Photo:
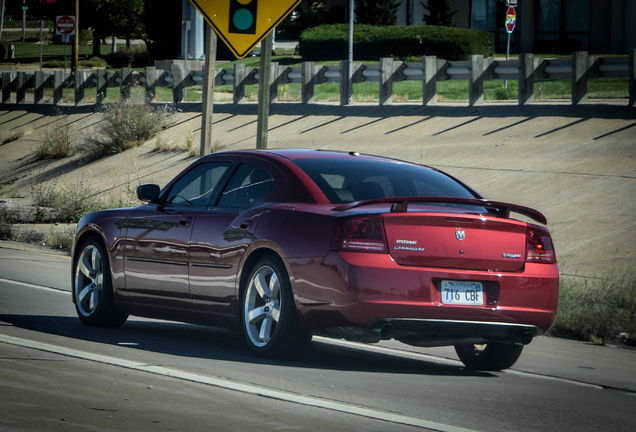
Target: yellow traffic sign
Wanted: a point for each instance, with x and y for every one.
(242, 24)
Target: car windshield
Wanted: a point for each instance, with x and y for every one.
(349, 180)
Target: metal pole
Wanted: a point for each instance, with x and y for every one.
(507, 57)
(350, 80)
(23, 21)
(186, 24)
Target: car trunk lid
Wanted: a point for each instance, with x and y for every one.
(446, 240)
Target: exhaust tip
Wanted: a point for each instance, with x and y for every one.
(386, 330)
(526, 338)
(383, 330)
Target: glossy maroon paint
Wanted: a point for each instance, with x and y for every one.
(189, 264)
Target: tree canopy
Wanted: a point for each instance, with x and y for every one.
(376, 12)
(440, 13)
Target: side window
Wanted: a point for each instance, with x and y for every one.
(248, 185)
(196, 187)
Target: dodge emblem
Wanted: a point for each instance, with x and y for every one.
(460, 235)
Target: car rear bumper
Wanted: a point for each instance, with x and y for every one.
(429, 333)
(368, 290)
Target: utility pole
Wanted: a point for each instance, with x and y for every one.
(75, 48)
(265, 74)
(1, 19)
(208, 90)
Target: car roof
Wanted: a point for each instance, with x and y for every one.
(300, 153)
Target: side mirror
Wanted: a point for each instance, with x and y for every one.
(148, 192)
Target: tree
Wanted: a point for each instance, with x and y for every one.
(440, 13)
(163, 25)
(376, 12)
(113, 17)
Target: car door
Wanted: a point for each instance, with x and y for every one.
(158, 239)
(220, 236)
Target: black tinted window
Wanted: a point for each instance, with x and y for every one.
(196, 187)
(248, 185)
(348, 180)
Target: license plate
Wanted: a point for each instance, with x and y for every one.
(462, 293)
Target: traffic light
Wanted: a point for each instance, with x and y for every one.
(243, 16)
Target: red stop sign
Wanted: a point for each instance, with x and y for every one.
(511, 19)
(65, 25)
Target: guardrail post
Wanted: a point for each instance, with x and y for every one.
(429, 80)
(151, 83)
(344, 82)
(526, 79)
(579, 77)
(308, 73)
(7, 82)
(238, 91)
(126, 82)
(101, 86)
(39, 80)
(386, 81)
(274, 79)
(632, 77)
(58, 87)
(475, 80)
(177, 81)
(79, 86)
(20, 87)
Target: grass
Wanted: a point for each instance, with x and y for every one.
(603, 88)
(597, 310)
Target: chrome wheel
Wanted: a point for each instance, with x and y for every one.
(270, 321)
(262, 306)
(92, 287)
(89, 279)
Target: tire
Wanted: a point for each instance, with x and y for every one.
(270, 321)
(493, 356)
(92, 287)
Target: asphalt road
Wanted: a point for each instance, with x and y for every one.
(56, 374)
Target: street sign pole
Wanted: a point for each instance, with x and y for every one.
(511, 21)
(208, 91)
(263, 92)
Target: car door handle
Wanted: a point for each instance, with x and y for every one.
(185, 222)
(245, 224)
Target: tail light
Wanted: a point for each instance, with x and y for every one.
(539, 247)
(361, 234)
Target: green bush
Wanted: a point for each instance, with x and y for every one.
(121, 58)
(128, 57)
(331, 42)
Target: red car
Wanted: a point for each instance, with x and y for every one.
(284, 244)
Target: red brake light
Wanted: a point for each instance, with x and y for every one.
(362, 234)
(539, 247)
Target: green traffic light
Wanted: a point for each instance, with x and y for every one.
(243, 16)
(243, 19)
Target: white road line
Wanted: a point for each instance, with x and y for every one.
(236, 386)
(372, 348)
(30, 285)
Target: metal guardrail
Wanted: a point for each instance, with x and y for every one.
(527, 69)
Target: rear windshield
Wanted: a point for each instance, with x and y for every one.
(349, 180)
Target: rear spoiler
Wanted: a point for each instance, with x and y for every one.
(401, 204)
